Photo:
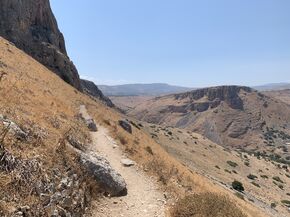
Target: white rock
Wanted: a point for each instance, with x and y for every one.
(127, 162)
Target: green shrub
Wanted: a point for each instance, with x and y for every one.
(256, 184)
(227, 171)
(232, 164)
(277, 178)
(252, 177)
(273, 205)
(206, 205)
(286, 202)
(264, 176)
(279, 185)
(238, 186)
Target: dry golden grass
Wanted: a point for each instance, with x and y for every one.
(33, 97)
(205, 205)
(211, 160)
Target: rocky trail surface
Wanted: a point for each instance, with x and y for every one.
(144, 198)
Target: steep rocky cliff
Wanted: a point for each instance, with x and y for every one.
(214, 96)
(32, 27)
(91, 89)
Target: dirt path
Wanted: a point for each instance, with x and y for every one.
(144, 198)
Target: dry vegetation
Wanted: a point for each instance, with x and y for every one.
(206, 204)
(47, 108)
(260, 177)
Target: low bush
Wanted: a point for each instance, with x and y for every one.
(273, 205)
(227, 171)
(122, 139)
(277, 178)
(232, 164)
(238, 186)
(279, 185)
(206, 205)
(149, 150)
(252, 177)
(264, 176)
(256, 184)
(286, 202)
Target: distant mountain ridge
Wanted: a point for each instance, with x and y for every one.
(273, 86)
(153, 89)
(157, 89)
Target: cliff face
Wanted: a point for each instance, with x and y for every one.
(215, 95)
(32, 27)
(91, 89)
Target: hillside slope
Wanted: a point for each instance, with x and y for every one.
(37, 163)
(222, 165)
(283, 95)
(231, 116)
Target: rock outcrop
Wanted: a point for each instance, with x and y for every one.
(11, 126)
(104, 174)
(215, 95)
(32, 27)
(126, 126)
(91, 89)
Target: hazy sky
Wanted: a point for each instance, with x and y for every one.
(184, 42)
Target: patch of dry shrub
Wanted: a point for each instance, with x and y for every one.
(206, 205)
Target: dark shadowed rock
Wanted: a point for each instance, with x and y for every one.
(91, 89)
(19, 133)
(91, 125)
(32, 27)
(126, 126)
